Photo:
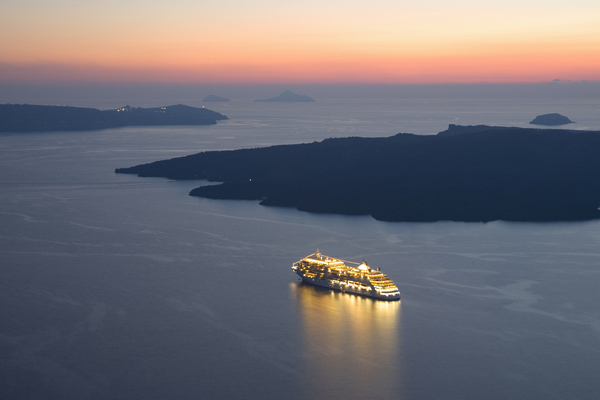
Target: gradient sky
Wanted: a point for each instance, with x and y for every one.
(310, 41)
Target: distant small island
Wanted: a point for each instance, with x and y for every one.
(216, 99)
(551, 119)
(473, 174)
(32, 118)
(289, 97)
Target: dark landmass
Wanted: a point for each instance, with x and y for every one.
(31, 118)
(289, 97)
(551, 119)
(478, 173)
(459, 129)
(215, 98)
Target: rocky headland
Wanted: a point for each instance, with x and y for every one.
(480, 173)
(32, 118)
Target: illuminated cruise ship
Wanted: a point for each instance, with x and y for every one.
(318, 269)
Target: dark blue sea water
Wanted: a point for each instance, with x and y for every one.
(118, 287)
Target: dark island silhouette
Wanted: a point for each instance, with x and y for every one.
(480, 173)
(551, 119)
(216, 99)
(289, 97)
(32, 118)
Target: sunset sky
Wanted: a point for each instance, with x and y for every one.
(272, 41)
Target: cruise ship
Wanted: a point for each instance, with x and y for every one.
(318, 269)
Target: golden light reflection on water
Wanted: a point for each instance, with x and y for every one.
(351, 343)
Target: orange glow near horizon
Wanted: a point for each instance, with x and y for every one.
(383, 41)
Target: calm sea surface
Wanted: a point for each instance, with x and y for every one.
(118, 287)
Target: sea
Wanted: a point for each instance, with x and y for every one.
(119, 287)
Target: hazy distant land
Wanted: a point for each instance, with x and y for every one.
(472, 173)
(31, 118)
(551, 119)
(213, 98)
(289, 97)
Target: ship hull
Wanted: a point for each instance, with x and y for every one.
(345, 288)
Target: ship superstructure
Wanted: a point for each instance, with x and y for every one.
(346, 276)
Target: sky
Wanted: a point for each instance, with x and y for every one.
(310, 41)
